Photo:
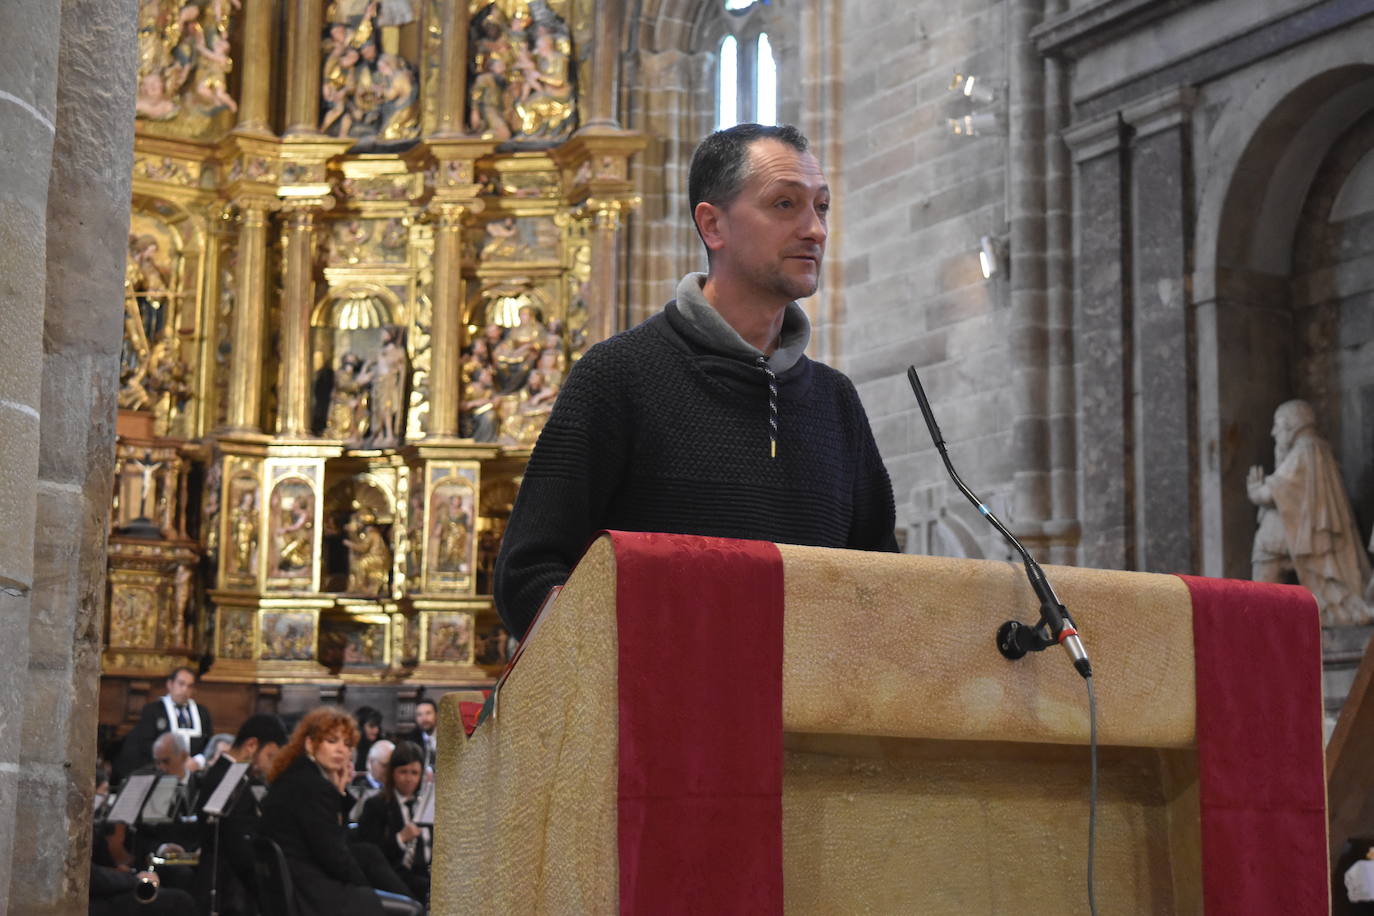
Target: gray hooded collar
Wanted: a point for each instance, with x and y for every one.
(796, 327)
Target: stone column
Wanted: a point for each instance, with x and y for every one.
(601, 101)
(245, 362)
(298, 287)
(1102, 347)
(1165, 364)
(305, 21)
(603, 293)
(255, 95)
(74, 119)
(27, 124)
(452, 87)
(1029, 333)
(445, 390)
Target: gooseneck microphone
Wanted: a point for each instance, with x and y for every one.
(1015, 639)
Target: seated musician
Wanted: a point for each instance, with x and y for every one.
(304, 813)
(226, 860)
(388, 820)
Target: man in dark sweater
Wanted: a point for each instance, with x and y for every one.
(708, 418)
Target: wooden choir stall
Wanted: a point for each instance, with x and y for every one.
(713, 726)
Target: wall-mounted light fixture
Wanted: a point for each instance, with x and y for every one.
(978, 124)
(980, 105)
(992, 256)
(972, 88)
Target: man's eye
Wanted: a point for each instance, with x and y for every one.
(823, 208)
(784, 203)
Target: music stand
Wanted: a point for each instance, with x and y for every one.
(222, 800)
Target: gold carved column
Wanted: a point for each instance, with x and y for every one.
(596, 170)
(298, 286)
(603, 292)
(256, 92)
(305, 23)
(451, 88)
(455, 197)
(245, 361)
(600, 115)
(303, 199)
(448, 339)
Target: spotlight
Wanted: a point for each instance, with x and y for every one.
(976, 124)
(990, 255)
(969, 86)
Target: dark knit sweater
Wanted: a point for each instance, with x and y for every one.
(655, 431)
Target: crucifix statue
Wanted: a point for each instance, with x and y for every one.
(146, 502)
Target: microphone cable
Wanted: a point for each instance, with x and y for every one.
(1092, 791)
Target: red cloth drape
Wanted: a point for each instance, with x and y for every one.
(1262, 778)
(700, 690)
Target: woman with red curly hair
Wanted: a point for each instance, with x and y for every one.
(305, 813)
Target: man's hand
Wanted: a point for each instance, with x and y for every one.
(1255, 488)
(408, 833)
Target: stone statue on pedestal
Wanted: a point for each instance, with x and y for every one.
(1305, 522)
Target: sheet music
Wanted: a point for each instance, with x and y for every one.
(219, 799)
(130, 799)
(424, 814)
(161, 803)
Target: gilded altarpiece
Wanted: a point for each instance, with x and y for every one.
(358, 274)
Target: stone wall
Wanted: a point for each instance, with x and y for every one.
(916, 200)
(66, 120)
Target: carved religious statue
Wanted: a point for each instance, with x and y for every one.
(1305, 523)
(521, 86)
(348, 402)
(367, 89)
(294, 536)
(386, 375)
(244, 527)
(183, 58)
(451, 536)
(369, 557)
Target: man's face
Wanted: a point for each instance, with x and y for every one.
(377, 763)
(771, 238)
(179, 687)
(169, 759)
(263, 758)
(424, 717)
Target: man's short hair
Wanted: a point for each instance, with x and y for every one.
(176, 739)
(267, 729)
(720, 166)
(379, 747)
(180, 668)
(426, 701)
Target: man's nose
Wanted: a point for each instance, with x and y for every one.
(813, 227)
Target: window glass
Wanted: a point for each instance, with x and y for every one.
(766, 83)
(727, 106)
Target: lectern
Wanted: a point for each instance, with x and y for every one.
(709, 726)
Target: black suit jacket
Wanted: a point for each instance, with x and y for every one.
(306, 816)
(137, 749)
(416, 737)
(381, 820)
(236, 883)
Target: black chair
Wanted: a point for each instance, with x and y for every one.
(276, 895)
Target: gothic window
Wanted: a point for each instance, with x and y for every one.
(747, 73)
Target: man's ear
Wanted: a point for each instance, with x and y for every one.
(710, 223)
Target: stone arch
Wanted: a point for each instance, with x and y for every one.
(1262, 156)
